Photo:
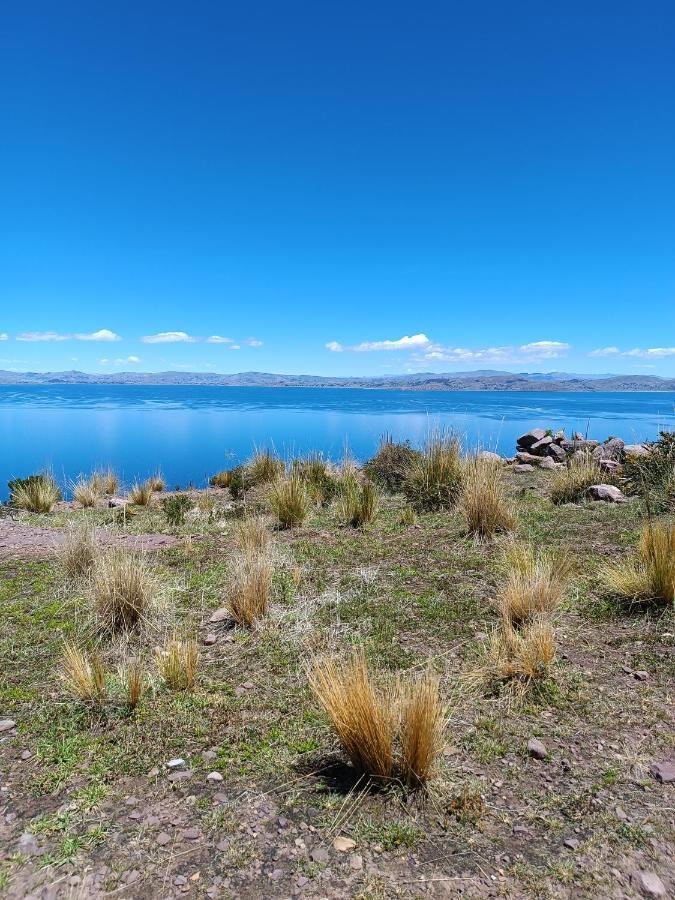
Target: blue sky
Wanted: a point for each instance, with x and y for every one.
(338, 189)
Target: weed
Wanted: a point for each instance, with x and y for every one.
(487, 508)
(289, 501)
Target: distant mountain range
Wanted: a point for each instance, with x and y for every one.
(481, 380)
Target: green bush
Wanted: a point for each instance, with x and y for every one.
(653, 476)
(322, 485)
(240, 482)
(176, 507)
(391, 465)
(435, 478)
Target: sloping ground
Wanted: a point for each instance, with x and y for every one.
(89, 806)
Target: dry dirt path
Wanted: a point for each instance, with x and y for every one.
(18, 539)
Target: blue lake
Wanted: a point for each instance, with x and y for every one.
(190, 432)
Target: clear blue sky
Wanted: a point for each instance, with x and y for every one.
(494, 181)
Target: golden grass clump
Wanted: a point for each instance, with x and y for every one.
(408, 516)
(250, 587)
(156, 482)
(534, 583)
(86, 492)
(78, 552)
(290, 501)
(486, 504)
(141, 493)
(649, 574)
(37, 494)
(422, 726)
(264, 467)
(360, 713)
(83, 674)
(253, 536)
(358, 502)
(123, 590)
(132, 677)
(178, 662)
(571, 483)
(105, 481)
(221, 479)
(435, 477)
(523, 655)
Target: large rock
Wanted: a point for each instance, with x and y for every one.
(548, 463)
(664, 771)
(648, 883)
(607, 492)
(528, 458)
(636, 450)
(531, 437)
(492, 457)
(611, 449)
(556, 452)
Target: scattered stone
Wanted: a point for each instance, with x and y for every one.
(664, 771)
(223, 846)
(636, 450)
(275, 875)
(606, 492)
(163, 839)
(209, 755)
(356, 862)
(523, 457)
(531, 437)
(320, 855)
(209, 639)
(26, 755)
(180, 776)
(175, 763)
(571, 843)
(343, 844)
(214, 776)
(641, 675)
(7, 725)
(523, 467)
(536, 749)
(648, 883)
(547, 463)
(220, 615)
(191, 834)
(117, 503)
(488, 454)
(27, 844)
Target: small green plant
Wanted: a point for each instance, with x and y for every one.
(240, 482)
(265, 467)
(391, 465)
(289, 501)
(176, 507)
(320, 479)
(358, 502)
(435, 477)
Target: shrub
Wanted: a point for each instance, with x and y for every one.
(240, 482)
(123, 590)
(653, 476)
(178, 662)
(83, 674)
(650, 573)
(86, 492)
(221, 479)
(321, 483)
(358, 502)
(249, 593)
(253, 536)
(486, 505)
(360, 713)
(571, 483)
(156, 482)
(37, 493)
(105, 481)
(175, 508)
(521, 656)
(534, 583)
(289, 501)
(141, 494)
(391, 465)
(78, 552)
(265, 467)
(435, 477)
(422, 724)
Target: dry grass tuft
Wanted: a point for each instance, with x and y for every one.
(290, 501)
(83, 675)
(264, 467)
(408, 516)
(650, 573)
(36, 494)
(123, 590)
(250, 588)
(178, 662)
(141, 494)
(358, 502)
(132, 677)
(221, 479)
(422, 725)
(78, 552)
(105, 481)
(534, 583)
(360, 713)
(253, 536)
(486, 505)
(571, 483)
(86, 492)
(435, 477)
(520, 656)
(156, 482)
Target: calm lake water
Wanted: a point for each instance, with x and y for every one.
(190, 432)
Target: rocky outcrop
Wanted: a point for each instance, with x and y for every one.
(537, 444)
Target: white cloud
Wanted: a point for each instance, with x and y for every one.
(3, 336)
(604, 351)
(525, 353)
(253, 342)
(545, 349)
(217, 339)
(104, 334)
(234, 347)
(120, 361)
(334, 347)
(652, 352)
(413, 342)
(168, 337)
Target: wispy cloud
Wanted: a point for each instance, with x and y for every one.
(649, 353)
(217, 339)
(168, 337)
(3, 336)
(523, 353)
(120, 361)
(412, 342)
(605, 351)
(104, 334)
(234, 347)
(253, 342)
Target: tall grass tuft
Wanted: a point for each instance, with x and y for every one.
(358, 502)
(486, 505)
(178, 662)
(534, 583)
(571, 483)
(123, 590)
(523, 655)
(359, 712)
(83, 674)
(250, 587)
(264, 467)
(37, 493)
(86, 492)
(141, 493)
(422, 725)
(435, 477)
(290, 501)
(221, 479)
(650, 573)
(78, 552)
(319, 477)
(105, 481)
(391, 465)
(156, 482)
(132, 677)
(253, 536)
